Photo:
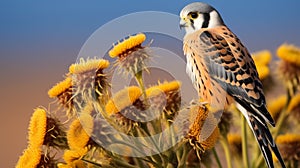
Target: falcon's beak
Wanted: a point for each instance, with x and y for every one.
(182, 24)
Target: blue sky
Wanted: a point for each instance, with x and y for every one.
(27, 25)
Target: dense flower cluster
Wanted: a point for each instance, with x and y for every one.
(99, 120)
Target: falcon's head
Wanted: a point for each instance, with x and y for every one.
(198, 15)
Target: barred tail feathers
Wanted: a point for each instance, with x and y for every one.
(263, 137)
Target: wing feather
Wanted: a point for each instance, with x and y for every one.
(230, 64)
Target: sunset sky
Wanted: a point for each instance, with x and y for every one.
(40, 39)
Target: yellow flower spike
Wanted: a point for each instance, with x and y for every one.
(289, 53)
(263, 71)
(122, 99)
(235, 143)
(37, 128)
(196, 127)
(295, 103)
(275, 106)
(30, 158)
(210, 142)
(77, 135)
(234, 138)
(88, 65)
(60, 87)
(201, 114)
(262, 57)
(165, 87)
(73, 155)
(127, 44)
(288, 138)
(72, 68)
(261, 60)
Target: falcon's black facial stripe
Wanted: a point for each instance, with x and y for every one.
(206, 18)
(192, 24)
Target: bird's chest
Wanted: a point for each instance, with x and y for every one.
(208, 89)
(197, 71)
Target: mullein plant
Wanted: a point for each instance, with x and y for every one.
(98, 120)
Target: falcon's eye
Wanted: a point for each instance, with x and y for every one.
(194, 15)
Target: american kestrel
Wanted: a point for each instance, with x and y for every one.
(223, 71)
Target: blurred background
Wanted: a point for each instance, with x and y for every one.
(40, 39)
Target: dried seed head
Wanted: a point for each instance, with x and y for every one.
(45, 130)
(165, 97)
(290, 75)
(225, 122)
(196, 127)
(289, 66)
(90, 80)
(132, 57)
(60, 88)
(125, 108)
(123, 99)
(289, 144)
(64, 91)
(55, 135)
(47, 161)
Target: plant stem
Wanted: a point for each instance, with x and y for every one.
(280, 122)
(283, 115)
(91, 162)
(225, 145)
(295, 163)
(139, 79)
(184, 156)
(244, 144)
(260, 161)
(216, 157)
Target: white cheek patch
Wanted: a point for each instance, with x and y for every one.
(197, 25)
(199, 22)
(214, 19)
